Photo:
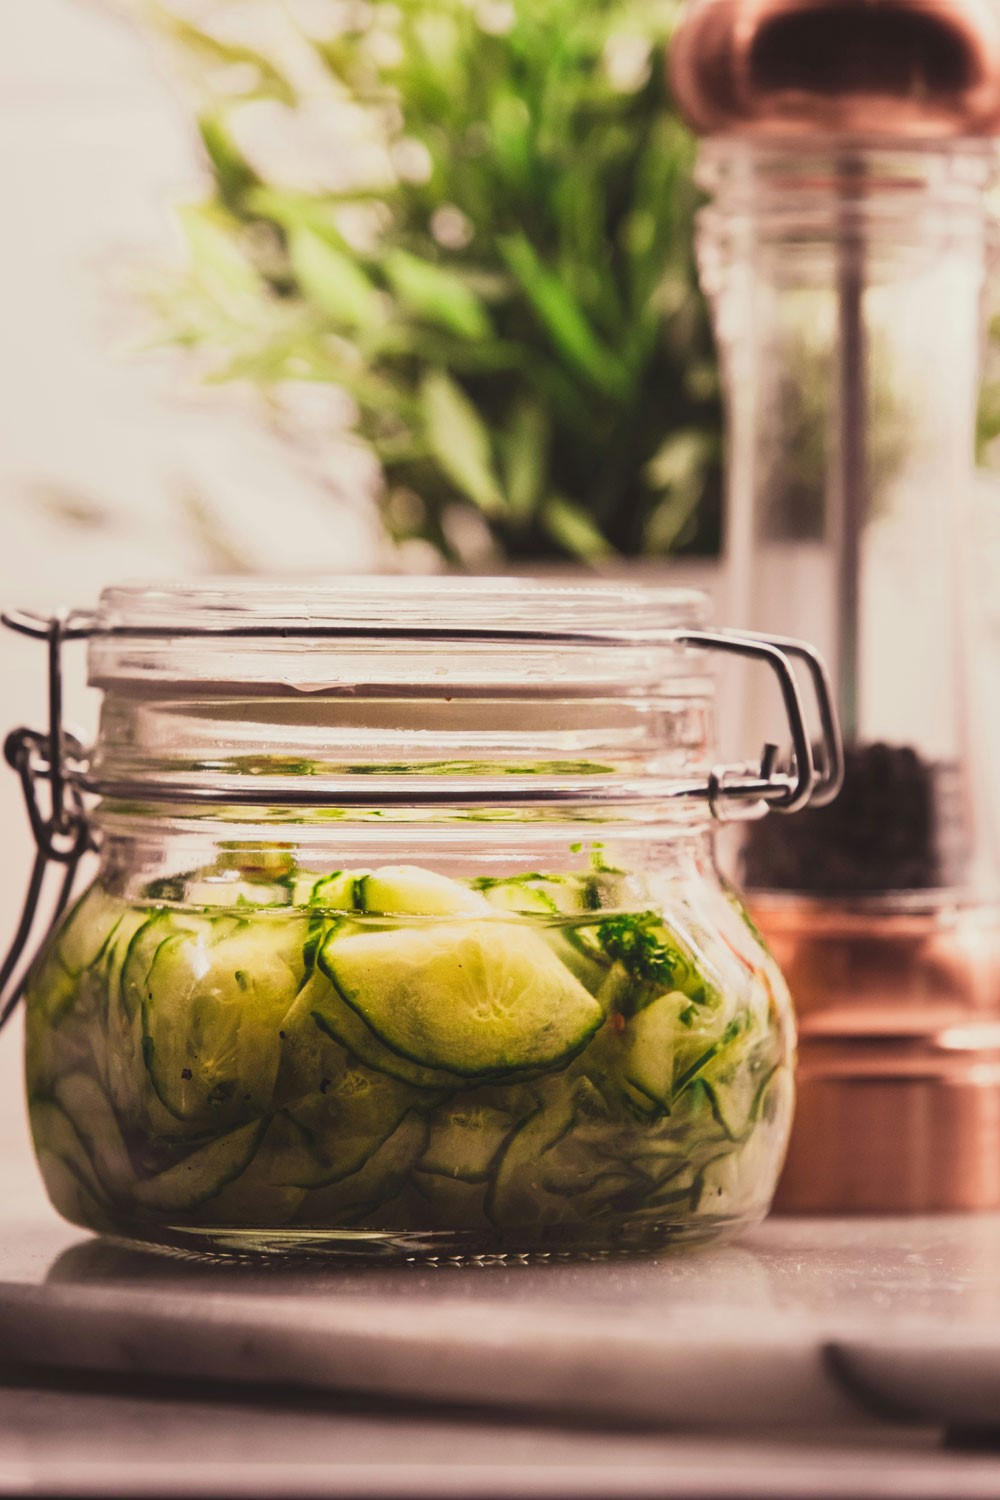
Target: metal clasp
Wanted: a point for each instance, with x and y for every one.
(776, 783)
(58, 819)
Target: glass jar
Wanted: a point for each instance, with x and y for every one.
(407, 935)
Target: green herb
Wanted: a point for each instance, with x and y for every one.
(508, 295)
(641, 945)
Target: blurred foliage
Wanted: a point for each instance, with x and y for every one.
(475, 217)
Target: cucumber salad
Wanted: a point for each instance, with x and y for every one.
(510, 1063)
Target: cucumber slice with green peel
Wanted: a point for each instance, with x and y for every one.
(82, 946)
(576, 947)
(518, 896)
(85, 1103)
(516, 1199)
(737, 1180)
(115, 955)
(123, 1073)
(227, 893)
(50, 993)
(310, 1056)
(201, 1175)
(437, 1202)
(337, 892)
(338, 1129)
(408, 890)
(358, 1196)
(464, 1139)
(608, 983)
(159, 927)
(736, 1086)
(475, 999)
(325, 1007)
(212, 1011)
(70, 1194)
(89, 928)
(264, 1195)
(55, 1133)
(650, 1047)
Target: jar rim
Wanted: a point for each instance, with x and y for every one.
(403, 606)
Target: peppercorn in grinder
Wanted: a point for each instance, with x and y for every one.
(848, 150)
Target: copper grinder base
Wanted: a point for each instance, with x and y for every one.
(899, 1056)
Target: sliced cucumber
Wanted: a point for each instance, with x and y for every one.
(86, 1105)
(650, 1046)
(549, 900)
(226, 891)
(408, 890)
(738, 1179)
(80, 946)
(310, 1057)
(56, 1135)
(265, 1194)
(464, 1139)
(159, 927)
(212, 1014)
(522, 896)
(51, 990)
(321, 1003)
(129, 1087)
(736, 1084)
(342, 1126)
(516, 1199)
(358, 1196)
(475, 999)
(337, 892)
(436, 1202)
(201, 1175)
(70, 1193)
(115, 955)
(88, 929)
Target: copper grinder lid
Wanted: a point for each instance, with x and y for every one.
(904, 70)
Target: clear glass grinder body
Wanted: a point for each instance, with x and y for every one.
(407, 935)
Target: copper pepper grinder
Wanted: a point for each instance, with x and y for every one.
(848, 151)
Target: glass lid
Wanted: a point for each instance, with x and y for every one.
(387, 634)
(403, 605)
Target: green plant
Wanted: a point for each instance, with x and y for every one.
(502, 278)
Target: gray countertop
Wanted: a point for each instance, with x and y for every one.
(828, 1357)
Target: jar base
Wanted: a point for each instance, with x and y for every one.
(457, 1247)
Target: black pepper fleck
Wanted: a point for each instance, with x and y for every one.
(185, 1073)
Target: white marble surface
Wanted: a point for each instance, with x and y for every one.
(816, 1357)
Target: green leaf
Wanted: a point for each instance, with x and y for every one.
(460, 442)
(269, 80)
(562, 317)
(333, 281)
(216, 257)
(437, 295)
(233, 172)
(681, 458)
(526, 451)
(574, 530)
